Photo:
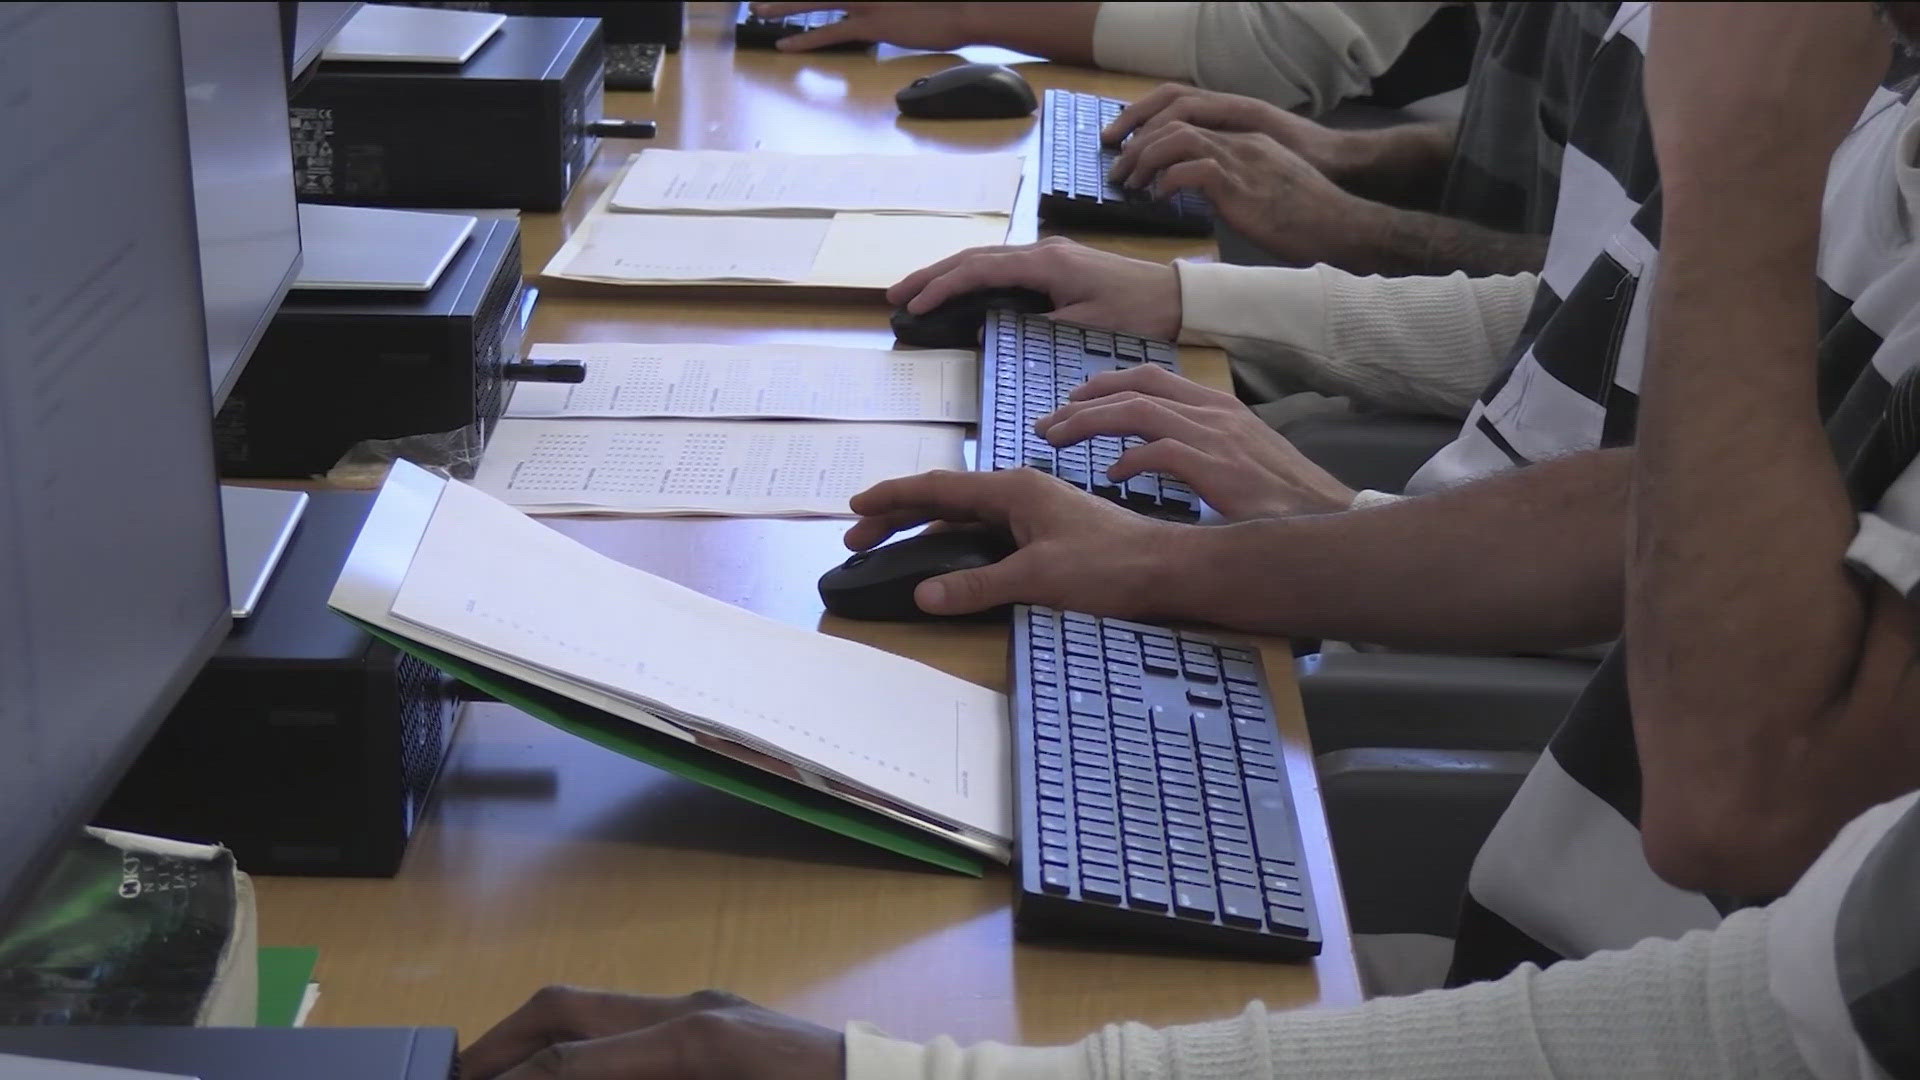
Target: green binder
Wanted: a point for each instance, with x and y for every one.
(684, 759)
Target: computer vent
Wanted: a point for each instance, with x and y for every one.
(425, 700)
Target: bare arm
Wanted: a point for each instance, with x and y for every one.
(1773, 693)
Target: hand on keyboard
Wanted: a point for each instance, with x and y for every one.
(1219, 447)
(1092, 288)
(1076, 551)
(914, 26)
(1266, 192)
(1328, 150)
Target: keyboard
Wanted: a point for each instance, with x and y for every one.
(753, 32)
(633, 65)
(1028, 366)
(1154, 805)
(1074, 189)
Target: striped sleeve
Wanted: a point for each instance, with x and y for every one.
(1886, 545)
(1844, 951)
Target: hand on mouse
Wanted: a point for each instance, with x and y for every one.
(1268, 193)
(913, 26)
(1087, 286)
(1228, 455)
(1075, 551)
(1327, 149)
(566, 1033)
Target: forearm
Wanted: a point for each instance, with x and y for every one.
(1746, 627)
(1061, 31)
(1525, 561)
(1697, 1007)
(1404, 165)
(1383, 239)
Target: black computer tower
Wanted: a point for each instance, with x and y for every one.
(335, 369)
(305, 745)
(508, 128)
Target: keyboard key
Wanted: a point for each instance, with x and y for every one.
(1272, 820)
(1241, 905)
(1287, 919)
(1194, 901)
(1103, 889)
(1056, 879)
(1146, 893)
(1238, 877)
(1210, 726)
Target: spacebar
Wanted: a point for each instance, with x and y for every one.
(1272, 814)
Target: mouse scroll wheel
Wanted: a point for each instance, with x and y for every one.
(858, 559)
(920, 81)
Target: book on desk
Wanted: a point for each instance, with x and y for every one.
(803, 723)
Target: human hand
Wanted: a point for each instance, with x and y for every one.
(1228, 455)
(567, 1034)
(1075, 551)
(1746, 95)
(1266, 192)
(913, 26)
(1087, 286)
(1325, 148)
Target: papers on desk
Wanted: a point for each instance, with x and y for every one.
(764, 468)
(411, 35)
(865, 251)
(823, 246)
(731, 181)
(676, 678)
(812, 382)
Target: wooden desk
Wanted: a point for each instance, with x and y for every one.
(546, 859)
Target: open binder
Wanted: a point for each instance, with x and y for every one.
(911, 760)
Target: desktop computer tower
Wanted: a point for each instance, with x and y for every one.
(508, 128)
(336, 368)
(305, 745)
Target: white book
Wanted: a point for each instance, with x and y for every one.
(410, 35)
(773, 381)
(760, 181)
(443, 564)
(754, 468)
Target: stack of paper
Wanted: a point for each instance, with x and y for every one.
(491, 595)
(849, 221)
(767, 468)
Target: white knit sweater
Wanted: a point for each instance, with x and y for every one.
(1698, 1008)
(1401, 344)
(1295, 55)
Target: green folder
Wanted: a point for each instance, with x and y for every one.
(694, 763)
(285, 972)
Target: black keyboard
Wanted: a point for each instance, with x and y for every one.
(1074, 189)
(753, 32)
(1154, 805)
(633, 65)
(1028, 366)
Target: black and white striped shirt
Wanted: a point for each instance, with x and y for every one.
(1563, 873)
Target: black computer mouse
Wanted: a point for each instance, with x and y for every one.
(879, 583)
(967, 92)
(956, 323)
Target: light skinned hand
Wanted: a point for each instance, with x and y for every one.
(1090, 287)
(1325, 148)
(1076, 551)
(1226, 453)
(1266, 192)
(912, 26)
(566, 1034)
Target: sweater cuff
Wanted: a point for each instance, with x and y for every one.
(1283, 306)
(872, 1055)
(1146, 39)
(1370, 497)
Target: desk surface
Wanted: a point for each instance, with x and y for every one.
(546, 859)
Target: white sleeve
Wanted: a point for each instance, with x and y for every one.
(1696, 1008)
(1295, 55)
(1400, 344)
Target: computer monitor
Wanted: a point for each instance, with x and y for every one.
(234, 58)
(112, 581)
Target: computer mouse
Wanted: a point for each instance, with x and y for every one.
(967, 92)
(879, 583)
(956, 323)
